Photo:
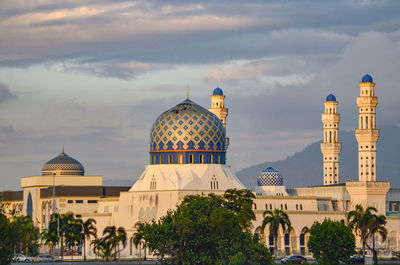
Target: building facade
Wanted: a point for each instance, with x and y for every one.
(188, 146)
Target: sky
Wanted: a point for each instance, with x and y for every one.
(92, 76)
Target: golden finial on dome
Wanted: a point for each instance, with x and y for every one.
(187, 92)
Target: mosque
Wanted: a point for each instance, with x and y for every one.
(188, 146)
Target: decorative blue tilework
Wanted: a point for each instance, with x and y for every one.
(187, 128)
(63, 165)
(188, 125)
(270, 177)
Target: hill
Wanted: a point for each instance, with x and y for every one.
(305, 168)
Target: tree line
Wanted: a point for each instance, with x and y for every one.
(65, 230)
(19, 235)
(216, 230)
(202, 229)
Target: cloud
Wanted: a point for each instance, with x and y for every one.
(261, 75)
(275, 62)
(174, 32)
(122, 70)
(5, 93)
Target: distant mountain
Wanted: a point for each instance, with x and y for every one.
(305, 168)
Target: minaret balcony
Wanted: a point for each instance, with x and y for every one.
(367, 135)
(330, 118)
(378, 185)
(331, 147)
(367, 101)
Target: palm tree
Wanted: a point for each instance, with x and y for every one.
(49, 237)
(102, 248)
(62, 221)
(120, 238)
(115, 237)
(275, 219)
(376, 225)
(139, 236)
(358, 220)
(73, 234)
(88, 229)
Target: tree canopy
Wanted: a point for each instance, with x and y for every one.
(17, 234)
(206, 230)
(367, 224)
(275, 219)
(331, 242)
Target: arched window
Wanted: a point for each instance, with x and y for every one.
(219, 159)
(271, 244)
(191, 159)
(214, 183)
(366, 122)
(169, 159)
(180, 159)
(211, 159)
(303, 240)
(29, 205)
(330, 137)
(361, 121)
(287, 242)
(161, 159)
(153, 183)
(201, 159)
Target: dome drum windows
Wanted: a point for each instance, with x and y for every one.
(187, 158)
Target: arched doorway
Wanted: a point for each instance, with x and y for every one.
(304, 241)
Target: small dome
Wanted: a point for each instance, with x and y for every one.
(63, 165)
(270, 177)
(218, 91)
(367, 79)
(331, 97)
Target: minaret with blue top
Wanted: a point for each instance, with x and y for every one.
(367, 191)
(367, 134)
(331, 147)
(218, 107)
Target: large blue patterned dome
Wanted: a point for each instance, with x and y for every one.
(270, 177)
(187, 133)
(367, 79)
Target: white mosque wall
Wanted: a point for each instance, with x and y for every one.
(187, 177)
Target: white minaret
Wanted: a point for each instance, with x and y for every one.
(218, 108)
(367, 191)
(331, 146)
(367, 135)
